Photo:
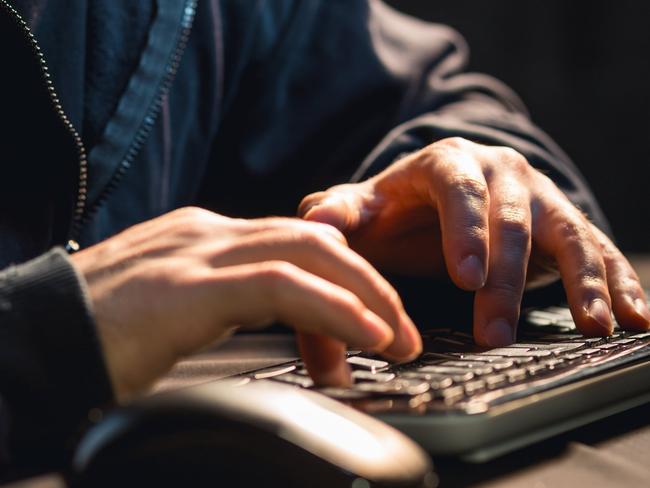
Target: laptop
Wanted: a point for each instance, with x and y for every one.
(460, 400)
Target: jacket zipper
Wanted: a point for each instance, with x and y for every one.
(187, 20)
(80, 203)
(81, 214)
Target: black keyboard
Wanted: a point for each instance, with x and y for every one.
(461, 399)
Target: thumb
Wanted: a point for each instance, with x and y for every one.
(346, 207)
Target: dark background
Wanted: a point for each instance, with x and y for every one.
(583, 69)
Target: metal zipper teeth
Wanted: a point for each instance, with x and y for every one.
(143, 132)
(71, 245)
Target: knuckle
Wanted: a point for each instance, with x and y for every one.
(630, 282)
(272, 222)
(321, 230)
(591, 276)
(507, 288)
(192, 213)
(275, 274)
(196, 221)
(310, 238)
(349, 300)
(514, 228)
(468, 187)
(453, 142)
(593, 287)
(389, 295)
(569, 228)
(514, 158)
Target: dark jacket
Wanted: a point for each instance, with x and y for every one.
(243, 106)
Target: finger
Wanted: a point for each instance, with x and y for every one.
(461, 195)
(337, 264)
(259, 294)
(565, 234)
(324, 358)
(496, 305)
(345, 207)
(297, 225)
(628, 298)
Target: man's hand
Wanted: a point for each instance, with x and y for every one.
(172, 285)
(497, 224)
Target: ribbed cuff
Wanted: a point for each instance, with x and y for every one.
(59, 371)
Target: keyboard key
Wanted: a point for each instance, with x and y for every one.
(366, 363)
(271, 372)
(400, 387)
(570, 347)
(554, 347)
(559, 337)
(515, 375)
(624, 342)
(616, 335)
(361, 375)
(566, 322)
(609, 347)
(592, 341)
(572, 357)
(542, 317)
(473, 387)
(513, 352)
(495, 380)
(563, 312)
(496, 362)
(446, 370)
(476, 367)
(590, 352)
(441, 379)
(452, 395)
(644, 335)
(536, 369)
(555, 364)
(442, 382)
(523, 361)
(295, 379)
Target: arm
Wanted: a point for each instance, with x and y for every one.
(332, 78)
(319, 87)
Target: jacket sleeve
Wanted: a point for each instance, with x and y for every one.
(338, 89)
(51, 366)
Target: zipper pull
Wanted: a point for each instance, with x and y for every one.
(72, 246)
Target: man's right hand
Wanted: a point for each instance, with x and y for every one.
(170, 286)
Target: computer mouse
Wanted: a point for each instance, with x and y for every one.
(263, 433)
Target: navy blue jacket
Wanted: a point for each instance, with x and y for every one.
(242, 106)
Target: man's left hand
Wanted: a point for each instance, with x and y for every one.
(496, 225)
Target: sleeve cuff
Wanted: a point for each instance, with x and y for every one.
(54, 370)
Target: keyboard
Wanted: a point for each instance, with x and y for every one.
(462, 400)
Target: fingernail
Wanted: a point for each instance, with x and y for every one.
(641, 308)
(600, 312)
(499, 333)
(470, 271)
